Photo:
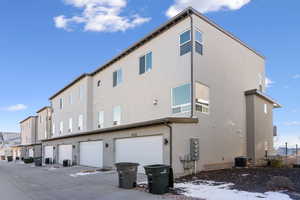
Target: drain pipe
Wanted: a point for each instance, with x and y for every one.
(192, 63)
(171, 142)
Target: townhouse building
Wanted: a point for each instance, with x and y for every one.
(44, 123)
(189, 94)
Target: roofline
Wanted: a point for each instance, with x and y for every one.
(69, 85)
(185, 13)
(44, 108)
(129, 126)
(264, 96)
(27, 119)
(174, 20)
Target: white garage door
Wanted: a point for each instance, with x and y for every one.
(49, 152)
(143, 150)
(91, 154)
(31, 153)
(64, 153)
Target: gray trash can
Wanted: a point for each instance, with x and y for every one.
(127, 174)
(38, 161)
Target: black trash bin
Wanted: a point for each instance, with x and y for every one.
(66, 163)
(9, 158)
(158, 178)
(38, 161)
(127, 174)
(241, 161)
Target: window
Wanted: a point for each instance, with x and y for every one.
(61, 103)
(70, 125)
(266, 108)
(146, 63)
(53, 127)
(41, 119)
(81, 92)
(80, 122)
(181, 99)
(100, 119)
(99, 83)
(260, 82)
(202, 98)
(198, 42)
(45, 133)
(185, 42)
(117, 77)
(61, 127)
(71, 99)
(117, 115)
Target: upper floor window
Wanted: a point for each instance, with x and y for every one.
(198, 42)
(80, 122)
(185, 42)
(146, 63)
(70, 125)
(70, 99)
(202, 98)
(181, 99)
(61, 103)
(61, 127)
(117, 77)
(99, 83)
(81, 92)
(260, 82)
(100, 119)
(117, 115)
(266, 108)
(53, 127)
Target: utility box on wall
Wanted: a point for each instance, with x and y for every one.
(194, 149)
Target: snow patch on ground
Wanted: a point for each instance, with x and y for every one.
(210, 190)
(83, 174)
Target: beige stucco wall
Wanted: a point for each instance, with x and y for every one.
(28, 131)
(78, 107)
(260, 127)
(44, 124)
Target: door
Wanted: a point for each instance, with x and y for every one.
(91, 154)
(49, 152)
(30, 153)
(142, 150)
(64, 153)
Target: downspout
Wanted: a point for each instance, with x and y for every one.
(192, 63)
(171, 142)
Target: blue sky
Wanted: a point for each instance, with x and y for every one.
(40, 40)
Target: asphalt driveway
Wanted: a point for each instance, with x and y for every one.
(26, 182)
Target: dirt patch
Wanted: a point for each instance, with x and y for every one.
(249, 179)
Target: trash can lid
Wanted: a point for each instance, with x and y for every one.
(156, 166)
(122, 164)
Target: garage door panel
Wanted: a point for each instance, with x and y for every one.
(49, 152)
(64, 153)
(91, 154)
(143, 150)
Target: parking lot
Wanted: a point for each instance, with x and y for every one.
(27, 182)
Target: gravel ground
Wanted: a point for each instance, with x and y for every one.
(250, 179)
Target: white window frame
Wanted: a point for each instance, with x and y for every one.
(80, 122)
(53, 127)
(200, 42)
(71, 99)
(100, 122)
(186, 41)
(119, 81)
(81, 92)
(61, 127)
(145, 55)
(61, 103)
(182, 105)
(117, 122)
(202, 104)
(265, 108)
(70, 125)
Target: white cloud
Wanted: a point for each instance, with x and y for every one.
(292, 123)
(100, 16)
(296, 76)
(205, 6)
(268, 82)
(17, 107)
